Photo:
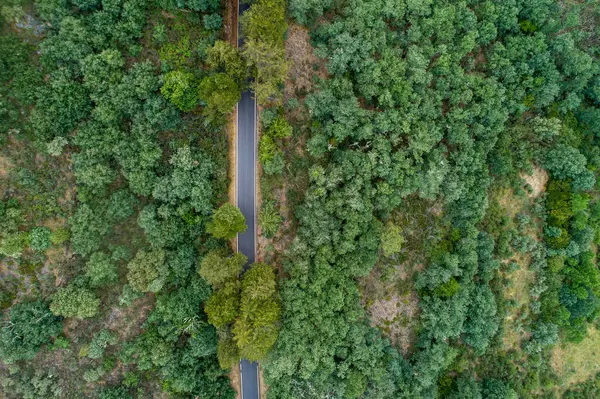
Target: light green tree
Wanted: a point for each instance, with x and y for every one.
(147, 271)
(75, 302)
(227, 221)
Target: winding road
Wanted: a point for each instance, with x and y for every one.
(246, 201)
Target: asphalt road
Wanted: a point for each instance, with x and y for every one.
(246, 185)
(246, 178)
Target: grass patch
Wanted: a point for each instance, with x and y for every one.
(577, 362)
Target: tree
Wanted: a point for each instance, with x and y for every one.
(227, 221)
(75, 302)
(264, 26)
(99, 343)
(482, 323)
(223, 57)
(39, 238)
(217, 268)
(100, 269)
(179, 87)
(29, 326)
(188, 184)
(223, 305)
(270, 69)
(257, 328)
(147, 271)
(565, 162)
(227, 352)
(221, 93)
(391, 239)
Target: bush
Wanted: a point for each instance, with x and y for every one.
(179, 87)
(99, 342)
(75, 302)
(275, 165)
(100, 269)
(13, 244)
(391, 239)
(115, 393)
(60, 235)
(269, 219)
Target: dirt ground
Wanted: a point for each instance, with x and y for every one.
(235, 378)
(299, 53)
(395, 315)
(537, 181)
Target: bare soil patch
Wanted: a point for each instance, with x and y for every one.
(537, 181)
(5, 166)
(127, 321)
(235, 379)
(299, 53)
(395, 315)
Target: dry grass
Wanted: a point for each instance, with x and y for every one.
(518, 291)
(231, 130)
(127, 321)
(299, 53)
(393, 305)
(510, 203)
(235, 380)
(396, 316)
(263, 388)
(5, 166)
(576, 363)
(230, 22)
(537, 181)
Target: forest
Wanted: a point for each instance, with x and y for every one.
(428, 208)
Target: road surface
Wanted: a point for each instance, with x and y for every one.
(245, 193)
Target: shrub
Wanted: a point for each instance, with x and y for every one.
(179, 87)
(269, 219)
(75, 302)
(60, 235)
(100, 269)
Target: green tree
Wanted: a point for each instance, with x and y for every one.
(100, 269)
(223, 306)
(223, 57)
(39, 238)
(264, 25)
(565, 162)
(227, 221)
(217, 268)
(221, 93)
(391, 239)
(257, 327)
(227, 352)
(100, 342)
(179, 87)
(147, 271)
(75, 302)
(29, 326)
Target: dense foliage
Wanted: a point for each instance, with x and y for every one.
(450, 104)
(114, 162)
